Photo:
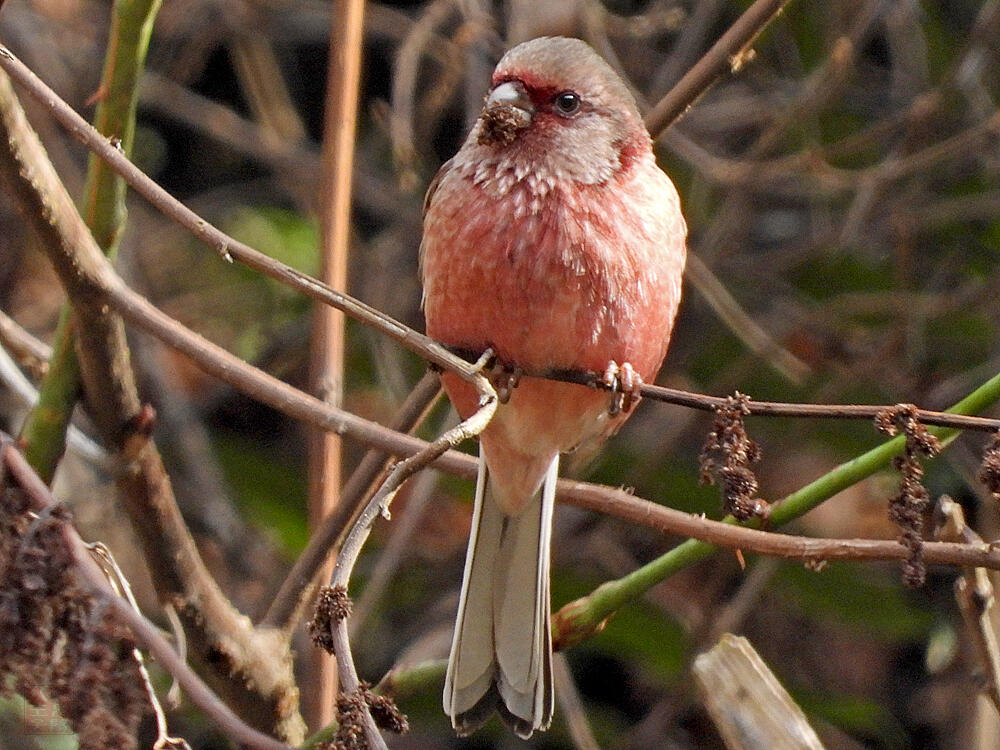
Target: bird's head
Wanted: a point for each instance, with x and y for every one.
(554, 100)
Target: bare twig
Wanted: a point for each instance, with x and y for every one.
(228, 247)
(29, 352)
(379, 505)
(974, 594)
(728, 54)
(783, 409)
(286, 602)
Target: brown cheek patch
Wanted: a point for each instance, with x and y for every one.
(501, 124)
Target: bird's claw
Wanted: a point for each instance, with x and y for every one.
(625, 385)
(504, 378)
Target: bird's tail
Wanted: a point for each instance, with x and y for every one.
(501, 655)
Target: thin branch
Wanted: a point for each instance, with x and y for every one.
(379, 506)
(30, 353)
(228, 247)
(281, 613)
(727, 55)
(144, 631)
(704, 402)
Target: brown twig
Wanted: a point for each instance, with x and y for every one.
(727, 55)
(281, 613)
(146, 633)
(29, 352)
(704, 402)
(227, 247)
(356, 537)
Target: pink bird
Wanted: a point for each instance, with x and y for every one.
(553, 239)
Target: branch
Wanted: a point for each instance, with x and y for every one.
(228, 247)
(585, 616)
(283, 609)
(144, 631)
(704, 402)
(351, 549)
(728, 54)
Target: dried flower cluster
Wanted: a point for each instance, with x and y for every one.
(989, 472)
(332, 605)
(909, 506)
(726, 459)
(351, 708)
(57, 641)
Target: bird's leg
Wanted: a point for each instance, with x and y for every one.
(625, 385)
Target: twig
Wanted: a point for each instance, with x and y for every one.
(29, 352)
(228, 247)
(145, 632)
(571, 706)
(379, 505)
(974, 594)
(281, 613)
(759, 341)
(727, 55)
(119, 583)
(703, 402)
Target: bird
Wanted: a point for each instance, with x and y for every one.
(553, 241)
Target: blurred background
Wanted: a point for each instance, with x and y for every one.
(842, 191)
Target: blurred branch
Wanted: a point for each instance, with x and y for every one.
(244, 661)
(29, 352)
(974, 594)
(736, 319)
(727, 55)
(11, 460)
(282, 612)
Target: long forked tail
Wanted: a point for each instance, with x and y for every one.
(501, 655)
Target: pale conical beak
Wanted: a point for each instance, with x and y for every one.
(511, 94)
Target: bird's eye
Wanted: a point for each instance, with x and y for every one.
(567, 103)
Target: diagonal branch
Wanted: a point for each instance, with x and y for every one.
(727, 55)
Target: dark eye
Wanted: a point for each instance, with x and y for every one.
(567, 103)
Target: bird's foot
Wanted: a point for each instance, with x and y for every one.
(503, 377)
(625, 385)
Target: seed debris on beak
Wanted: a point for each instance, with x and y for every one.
(507, 112)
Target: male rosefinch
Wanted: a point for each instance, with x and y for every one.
(553, 239)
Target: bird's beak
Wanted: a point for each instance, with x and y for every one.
(507, 114)
(511, 94)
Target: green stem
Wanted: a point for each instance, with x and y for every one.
(43, 435)
(585, 616)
